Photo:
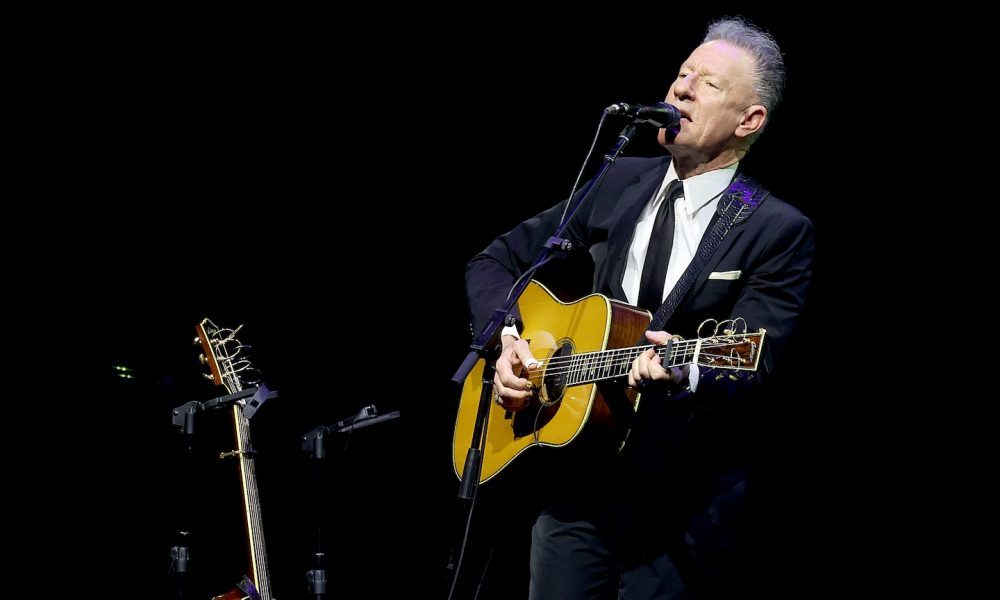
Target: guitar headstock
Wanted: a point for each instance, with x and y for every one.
(221, 352)
(727, 345)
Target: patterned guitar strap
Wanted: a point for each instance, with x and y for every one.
(738, 202)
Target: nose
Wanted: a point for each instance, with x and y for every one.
(684, 87)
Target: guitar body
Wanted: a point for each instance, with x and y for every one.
(554, 330)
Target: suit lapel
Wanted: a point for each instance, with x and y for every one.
(753, 195)
(633, 200)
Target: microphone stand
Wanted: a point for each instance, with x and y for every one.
(486, 347)
(183, 417)
(314, 444)
(180, 555)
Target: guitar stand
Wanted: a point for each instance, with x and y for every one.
(313, 443)
(183, 417)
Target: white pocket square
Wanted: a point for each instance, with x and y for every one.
(725, 275)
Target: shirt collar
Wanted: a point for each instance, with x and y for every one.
(702, 189)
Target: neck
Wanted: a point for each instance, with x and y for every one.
(687, 165)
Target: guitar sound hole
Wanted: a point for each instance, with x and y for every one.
(543, 406)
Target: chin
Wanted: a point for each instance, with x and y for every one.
(669, 135)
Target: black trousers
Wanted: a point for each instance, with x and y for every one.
(582, 554)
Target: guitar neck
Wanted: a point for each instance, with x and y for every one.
(222, 353)
(251, 505)
(592, 367)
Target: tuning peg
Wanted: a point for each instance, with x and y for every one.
(202, 359)
(197, 341)
(208, 377)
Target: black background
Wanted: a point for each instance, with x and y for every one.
(323, 183)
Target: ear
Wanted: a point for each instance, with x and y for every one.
(751, 121)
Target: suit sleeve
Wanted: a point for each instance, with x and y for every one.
(491, 273)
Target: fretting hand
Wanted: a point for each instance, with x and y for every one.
(647, 368)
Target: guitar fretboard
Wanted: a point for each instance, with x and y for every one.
(729, 352)
(590, 367)
(251, 497)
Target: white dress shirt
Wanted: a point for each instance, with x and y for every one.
(692, 213)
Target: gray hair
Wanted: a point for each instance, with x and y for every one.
(769, 78)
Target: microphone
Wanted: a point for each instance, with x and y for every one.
(660, 114)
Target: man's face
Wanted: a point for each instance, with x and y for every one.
(713, 90)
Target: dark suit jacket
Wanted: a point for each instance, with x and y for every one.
(697, 442)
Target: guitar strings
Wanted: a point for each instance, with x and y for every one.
(259, 555)
(227, 350)
(675, 358)
(617, 363)
(678, 350)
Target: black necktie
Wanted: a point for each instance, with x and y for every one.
(654, 268)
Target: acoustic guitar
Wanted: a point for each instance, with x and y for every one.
(578, 345)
